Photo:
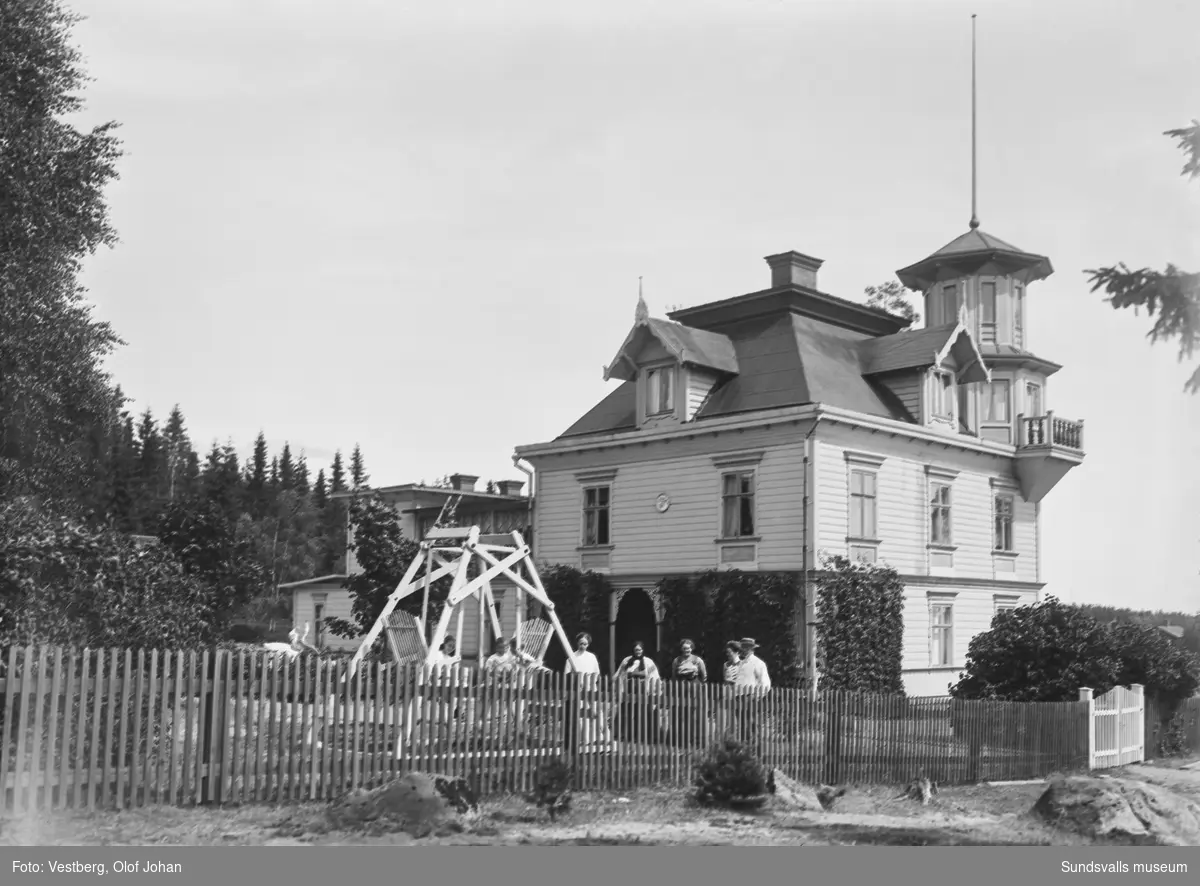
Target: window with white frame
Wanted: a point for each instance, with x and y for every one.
(1033, 400)
(660, 390)
(596, 514)
(987, 310)
(942, 394)
(996, 399)
(863, 512)
(939, 513)
(1002, 533)
(941, 632)
(949, 302)
(737, 504)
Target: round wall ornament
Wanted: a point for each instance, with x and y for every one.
(662, 503)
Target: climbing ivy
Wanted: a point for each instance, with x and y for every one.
(717, 606)
(581, 601)
(860, 609)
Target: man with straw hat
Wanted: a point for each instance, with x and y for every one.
(751, 684)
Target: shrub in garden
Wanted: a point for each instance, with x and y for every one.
(1047, 651)
(1169, 672)
(860, 637)
(727, 771)
(1175, 739)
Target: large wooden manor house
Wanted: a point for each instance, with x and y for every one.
(761, 431)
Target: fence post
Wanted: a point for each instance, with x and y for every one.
(1140, 691)
(1085, 694)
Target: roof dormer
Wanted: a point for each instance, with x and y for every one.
(673, 366)
(926, 369)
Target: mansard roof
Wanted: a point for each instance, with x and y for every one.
(922, 348)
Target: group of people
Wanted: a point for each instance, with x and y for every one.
(506, 656)
(638, 714)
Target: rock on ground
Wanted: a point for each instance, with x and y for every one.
(417, 802)
(792, 796)
(1120, 809)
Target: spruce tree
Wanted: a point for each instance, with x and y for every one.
(320, 494)
(256, 478)
(149, 472)
(302, 475)
(287, 469)
(358, 472)
(337, 479)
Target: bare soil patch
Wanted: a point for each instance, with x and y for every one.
(977, 815)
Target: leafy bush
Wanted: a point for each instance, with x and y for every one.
(687, 613)
(728, 770)
(763, 605)
(860, 636)
(66, 584)
(1047, 651)
(1168, 671)
(581, 601)
(1175, 739)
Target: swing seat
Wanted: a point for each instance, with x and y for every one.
(406, 638)
(535, 638)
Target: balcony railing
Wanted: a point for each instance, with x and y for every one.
(1049, 430)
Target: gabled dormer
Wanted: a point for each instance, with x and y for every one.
(928, 370)
(673, 367)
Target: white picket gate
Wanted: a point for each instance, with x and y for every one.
(1118, 726)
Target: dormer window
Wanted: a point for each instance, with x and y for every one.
(660, 390)
(941, 401)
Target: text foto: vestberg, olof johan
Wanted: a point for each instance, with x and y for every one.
(99, 869)
(1120, 867)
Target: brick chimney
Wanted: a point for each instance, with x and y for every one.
(464, 482)
(793, 269)
(509, 487)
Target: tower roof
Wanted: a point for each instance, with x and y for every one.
(975, 252)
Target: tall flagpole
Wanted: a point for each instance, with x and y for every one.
(974, 177)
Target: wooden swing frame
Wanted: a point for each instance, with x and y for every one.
(449, 551)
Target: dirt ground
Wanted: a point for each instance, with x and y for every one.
(976, 815)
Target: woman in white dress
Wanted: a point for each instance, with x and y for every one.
(588, 667)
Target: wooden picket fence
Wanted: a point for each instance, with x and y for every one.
(102, 729)
(1118, 718)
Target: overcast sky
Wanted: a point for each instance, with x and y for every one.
(419, 226)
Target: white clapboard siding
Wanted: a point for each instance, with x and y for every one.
(682, 538)
(973, 611)
(337, 605)
(902, 506)
(700, 383)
